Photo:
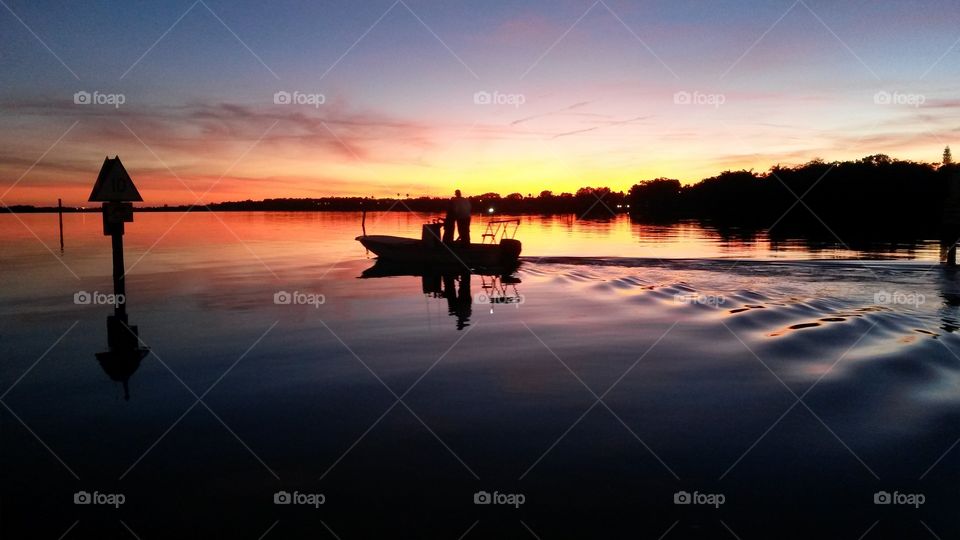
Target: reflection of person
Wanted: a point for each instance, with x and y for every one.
(458, 213)
(459, 301)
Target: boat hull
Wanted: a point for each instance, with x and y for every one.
(411, 250)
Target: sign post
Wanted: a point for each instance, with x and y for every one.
(115, 189)
(60, 216)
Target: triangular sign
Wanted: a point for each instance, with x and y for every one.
(114, 184)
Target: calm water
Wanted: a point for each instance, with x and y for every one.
(620, 365)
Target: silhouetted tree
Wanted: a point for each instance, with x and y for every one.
(738, 196)
(658, 198)
(594, 202)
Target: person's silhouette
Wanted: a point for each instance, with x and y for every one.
(458, 213)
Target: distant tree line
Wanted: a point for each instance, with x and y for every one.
(874, 194)
(587, 201)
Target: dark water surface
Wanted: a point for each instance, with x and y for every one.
(620, 366)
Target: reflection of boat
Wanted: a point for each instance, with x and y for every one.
(499, 290)
(454, 285)
(390, 268)
(498, 248)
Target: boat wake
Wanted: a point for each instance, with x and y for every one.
(903, 301)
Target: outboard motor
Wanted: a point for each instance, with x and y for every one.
(510, 249)
(430, 234)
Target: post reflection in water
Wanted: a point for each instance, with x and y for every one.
(124, 354)
(454, 286)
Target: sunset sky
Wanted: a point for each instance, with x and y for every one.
(592, 93)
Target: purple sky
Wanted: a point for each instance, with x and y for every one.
(417, 97)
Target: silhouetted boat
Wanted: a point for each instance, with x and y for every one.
(496, 251)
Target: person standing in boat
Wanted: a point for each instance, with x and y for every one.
(458, 213)
(461, 207)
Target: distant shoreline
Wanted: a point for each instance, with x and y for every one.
(599, 201)
(876, 196)
(19, 209)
